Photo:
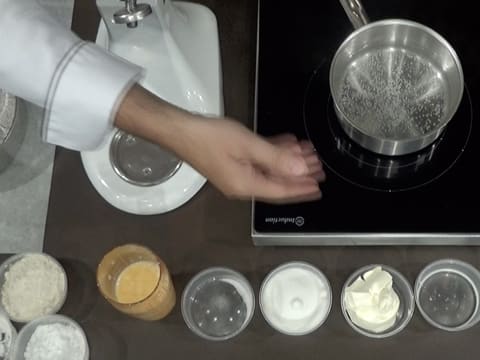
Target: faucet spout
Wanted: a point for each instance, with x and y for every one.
(132, 13)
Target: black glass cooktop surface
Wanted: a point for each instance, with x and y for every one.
(433, 191)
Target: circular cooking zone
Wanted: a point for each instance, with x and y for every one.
(361, 167)
(140, 162)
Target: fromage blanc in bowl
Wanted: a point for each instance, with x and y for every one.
(295, 298)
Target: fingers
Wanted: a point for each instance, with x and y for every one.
(319, 176)
(307, 146)
(315, 166)
(284, 155)
(279, 160)
(279, 169)
(312, 160)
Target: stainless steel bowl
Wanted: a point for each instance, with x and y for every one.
(395, 83)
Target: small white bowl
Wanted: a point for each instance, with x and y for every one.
(5, 266)
(27, 331)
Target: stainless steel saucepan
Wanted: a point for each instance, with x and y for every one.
(396, 84)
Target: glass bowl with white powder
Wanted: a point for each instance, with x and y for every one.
(32, 285)
(51, 337)
(377, 301)
(295, 298)
(218, 303)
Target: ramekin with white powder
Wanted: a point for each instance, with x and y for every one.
(51, 337)
(295, 298)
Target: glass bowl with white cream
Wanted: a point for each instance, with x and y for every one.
(447, 294)
(295, 298)
(377, 301)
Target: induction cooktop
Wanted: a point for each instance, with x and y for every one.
(430, 197)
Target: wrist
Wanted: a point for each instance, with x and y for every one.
(143, 114)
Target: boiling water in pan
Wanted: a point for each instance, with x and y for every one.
(393, 94)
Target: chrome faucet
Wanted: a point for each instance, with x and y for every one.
(132, 13)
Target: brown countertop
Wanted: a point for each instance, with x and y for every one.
(211, 230)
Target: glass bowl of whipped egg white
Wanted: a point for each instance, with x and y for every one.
(447, 294)
(377, 301)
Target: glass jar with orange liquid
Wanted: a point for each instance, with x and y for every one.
(136, 282)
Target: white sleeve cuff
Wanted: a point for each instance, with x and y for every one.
(84, 96)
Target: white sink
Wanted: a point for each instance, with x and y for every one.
(178, 47)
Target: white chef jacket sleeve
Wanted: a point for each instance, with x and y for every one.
(79, 84)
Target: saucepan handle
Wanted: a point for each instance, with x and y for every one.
(355, 12)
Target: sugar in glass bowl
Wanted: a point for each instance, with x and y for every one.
(54, 337)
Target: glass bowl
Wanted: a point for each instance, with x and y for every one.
(295, 298)
(135, 281)
(218, 303)
(53, 308)
(25, 334)
(9, 334)
(405, 294)
(446, 293)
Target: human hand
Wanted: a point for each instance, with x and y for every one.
(241, 164)
(238, 162)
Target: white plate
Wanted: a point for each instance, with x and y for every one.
(141, 200)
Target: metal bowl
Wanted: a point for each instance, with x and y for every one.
(396, 84)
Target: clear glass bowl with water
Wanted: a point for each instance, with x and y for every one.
(218, 303)
(446, 293)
